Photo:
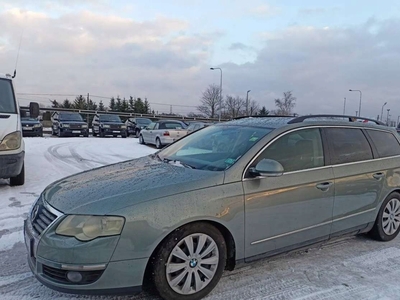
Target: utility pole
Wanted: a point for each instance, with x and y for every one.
(247, 103)
(344, 106)
(387, 118)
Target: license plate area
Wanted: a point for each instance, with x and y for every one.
(27, 128)
(76, 131)
(115, 131)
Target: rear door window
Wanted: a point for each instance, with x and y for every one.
(348, 145)
(385, 143)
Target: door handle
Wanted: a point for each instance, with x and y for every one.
(379, 175)
(324, 186)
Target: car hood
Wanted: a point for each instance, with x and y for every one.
(106, 189)
(73, 122)
(112, 123)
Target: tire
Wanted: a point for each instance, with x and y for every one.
(191, 265)
(387, 224)
(141, 140)
(158, 143)
(101, 133)
(86, 135)
(59, 134)
(94, 132)
(19, 179)
(137, 133)
(124, 135)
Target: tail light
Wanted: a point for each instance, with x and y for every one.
(166, 133)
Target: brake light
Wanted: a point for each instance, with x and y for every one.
(166, 133)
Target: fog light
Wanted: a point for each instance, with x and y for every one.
(74, 276)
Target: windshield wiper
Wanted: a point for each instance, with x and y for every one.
(177, 162)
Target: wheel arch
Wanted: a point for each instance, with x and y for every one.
(228, 237)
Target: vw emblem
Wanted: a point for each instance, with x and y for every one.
(35, 211)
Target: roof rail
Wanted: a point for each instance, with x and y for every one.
(264, 116)
(351, 118)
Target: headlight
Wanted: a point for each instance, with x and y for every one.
(123, 127)
(86, 228)
(37, 125)
(84, 126)
(64, 125)
(11, 141)
(106, 126)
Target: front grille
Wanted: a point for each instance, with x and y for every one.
(41, 217)
(61, 275)
(114, 126)
(75, 126)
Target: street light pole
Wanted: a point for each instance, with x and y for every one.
(398, 118)
(359, 108)
(247, 103)
(344, 106)
(220, 93)
(387, 118)
(382, 111)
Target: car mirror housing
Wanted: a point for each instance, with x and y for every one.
(268, 168)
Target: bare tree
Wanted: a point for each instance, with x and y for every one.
(254, 107)
(210, 101)
(234, 106)
(286, 104)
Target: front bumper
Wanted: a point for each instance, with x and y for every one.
(122, 277)
(11, 164)
(32, 131)
(74, 132)
(110, 131)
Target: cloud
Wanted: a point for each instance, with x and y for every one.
(318, 11)
(265, 10)
(240, 46)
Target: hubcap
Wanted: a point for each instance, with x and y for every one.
(391, 217)
(192, 264)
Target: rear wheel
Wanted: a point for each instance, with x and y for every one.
(19, 179)
(190, 262)
(158, 143)
(387, 224)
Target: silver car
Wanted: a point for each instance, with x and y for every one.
(162, 133)
(222, 196)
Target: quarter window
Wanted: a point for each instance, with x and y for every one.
(297, 150)
(385, 142)
(348, 145)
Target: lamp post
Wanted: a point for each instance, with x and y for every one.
(247, 103)
(220, 93)
(398, 118)
(382, 111)
(359, 108)
(387, 118)
(344, 106)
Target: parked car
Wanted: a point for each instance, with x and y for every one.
(31, 127)
(163, 132)
(104, 124)
(180, 217)
(193, 126)
(68, 124)
(135, 125)
(398, 128)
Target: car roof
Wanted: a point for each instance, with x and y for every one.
(274, 122)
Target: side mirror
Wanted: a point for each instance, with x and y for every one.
(267, 168)
(34, 109)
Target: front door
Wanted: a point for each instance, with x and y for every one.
(294, 209)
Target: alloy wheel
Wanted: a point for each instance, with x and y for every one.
(391, 217)
(192, 264)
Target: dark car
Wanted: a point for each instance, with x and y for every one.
(104, 125)
(31, 127)
(134, 125)
(69, 124)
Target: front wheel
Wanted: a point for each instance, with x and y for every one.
(190, 262)
(141, 140)
(387, 224)
(137, 133)
(19, 179)
(94, 132)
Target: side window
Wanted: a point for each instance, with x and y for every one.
(298, 150)
(385, 142)
(151, 126)
(348, 145)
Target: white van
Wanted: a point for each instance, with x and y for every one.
(12, 147)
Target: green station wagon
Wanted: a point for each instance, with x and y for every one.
(222, 196)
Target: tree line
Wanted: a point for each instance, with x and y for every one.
(235, 106)
(132, 105)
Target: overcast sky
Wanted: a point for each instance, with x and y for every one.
(163, 49)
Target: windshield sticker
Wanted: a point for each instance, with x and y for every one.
(230, 161)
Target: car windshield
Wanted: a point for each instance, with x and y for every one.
(110, 118)
(28, 119)
(215, 148)
(71, 117)
(143, 121)
(7, 101)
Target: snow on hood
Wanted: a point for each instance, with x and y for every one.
(106, 189)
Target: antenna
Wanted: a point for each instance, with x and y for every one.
(19, 47)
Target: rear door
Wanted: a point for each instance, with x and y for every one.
(358, 179)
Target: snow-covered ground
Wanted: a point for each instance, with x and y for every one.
(348, 268)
